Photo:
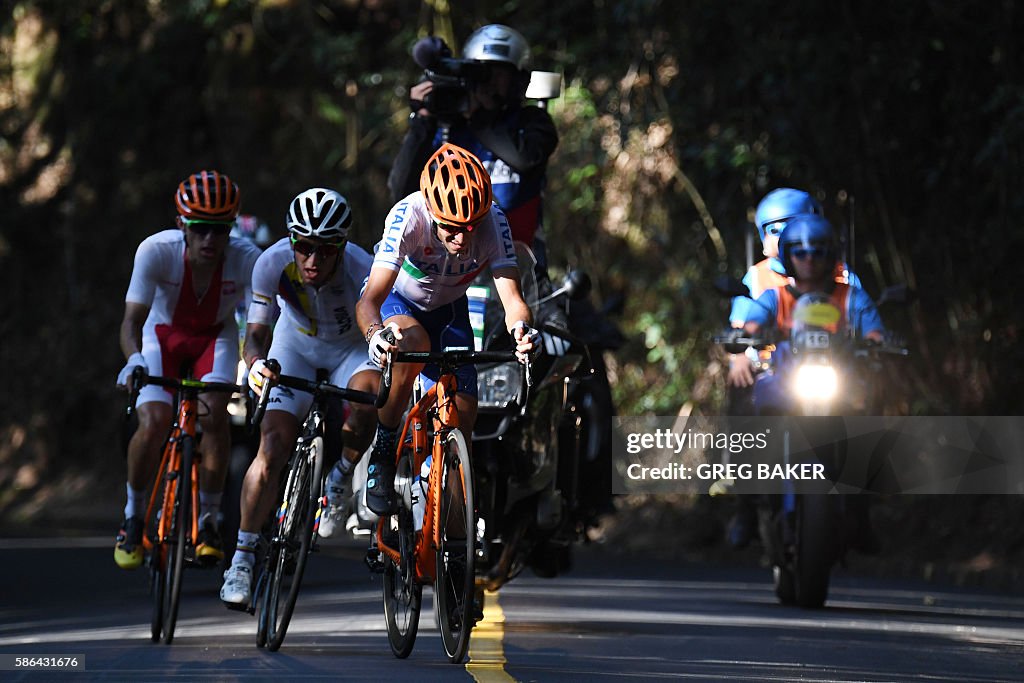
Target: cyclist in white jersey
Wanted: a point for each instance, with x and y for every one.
(179, 316)
(435, 242)
(312, 277)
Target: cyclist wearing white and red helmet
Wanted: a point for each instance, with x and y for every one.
(179, 311)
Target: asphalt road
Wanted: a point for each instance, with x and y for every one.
(611, 618)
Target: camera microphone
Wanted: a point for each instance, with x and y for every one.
(429, 51)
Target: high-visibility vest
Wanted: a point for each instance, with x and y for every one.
(787, 296)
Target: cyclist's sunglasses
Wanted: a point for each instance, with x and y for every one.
(455, 229)
(327, 250)
(774, 229)
(202, 228)
(812, 252)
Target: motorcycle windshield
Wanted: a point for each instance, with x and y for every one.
(494, 314)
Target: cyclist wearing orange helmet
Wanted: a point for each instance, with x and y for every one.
(179, 315)
(435, 242)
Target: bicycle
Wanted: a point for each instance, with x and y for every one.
(171, 522)
(295, 524)
(444, 549)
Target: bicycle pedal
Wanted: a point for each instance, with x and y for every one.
(207, 561)
(374, 561)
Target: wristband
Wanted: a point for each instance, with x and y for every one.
(373, 327)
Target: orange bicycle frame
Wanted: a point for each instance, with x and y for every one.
(442, 394)
(171, 462)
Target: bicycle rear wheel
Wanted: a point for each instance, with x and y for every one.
(403, 594)
(454, 582)
(292, 539)
(180, 487)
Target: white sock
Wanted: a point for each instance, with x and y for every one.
(245, 549)
(340, 470)
(136, 505)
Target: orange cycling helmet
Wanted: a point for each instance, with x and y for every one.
(456, 186)
(207, 195)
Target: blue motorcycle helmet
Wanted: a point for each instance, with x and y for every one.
(807, 232)
(778, 206)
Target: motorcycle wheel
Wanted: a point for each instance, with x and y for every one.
(817, 532)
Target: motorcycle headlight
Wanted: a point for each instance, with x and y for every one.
(816, 382)
(498, 385)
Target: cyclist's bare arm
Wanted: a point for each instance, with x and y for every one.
(135, 315)
(377, 289)
(257, 342)
(506, 281)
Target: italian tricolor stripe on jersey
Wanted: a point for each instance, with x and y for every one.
(420, 276)
(413, 271)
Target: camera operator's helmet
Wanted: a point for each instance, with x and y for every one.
(778, 206)
(456, 187)
(209, 196)
(497, 43)
(320, 213)
(810, 232)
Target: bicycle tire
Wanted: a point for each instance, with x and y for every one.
(156, 588)
(259, 600)
(295, 535)
(158, 554)
(181, 485)
(403, 594)
(454, 582)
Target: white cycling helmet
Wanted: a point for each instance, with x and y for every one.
(320, 213)
(497, 43)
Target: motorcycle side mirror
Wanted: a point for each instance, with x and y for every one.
(576, 285)
(729, 286)
(894, 294)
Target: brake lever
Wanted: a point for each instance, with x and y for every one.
(384, 389)
(138, 379)
(261, 405)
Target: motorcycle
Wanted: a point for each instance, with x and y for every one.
(820, 371)
(536, 447)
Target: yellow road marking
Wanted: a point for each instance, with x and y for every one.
(486, 653)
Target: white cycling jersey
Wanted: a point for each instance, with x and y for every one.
(430, 277)
(326, 313)
(159, 281)
(317, 326)
(181, 326)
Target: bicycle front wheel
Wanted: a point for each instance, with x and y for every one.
(180, 488)
(158, 566)
(292, 539)
(454, 582)
(403, 594)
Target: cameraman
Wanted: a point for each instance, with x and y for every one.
(476, 102)
(487, 117)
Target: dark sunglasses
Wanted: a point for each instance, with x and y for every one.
(455, 229)
(201, 228)
(325, 249)
(812, 252)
